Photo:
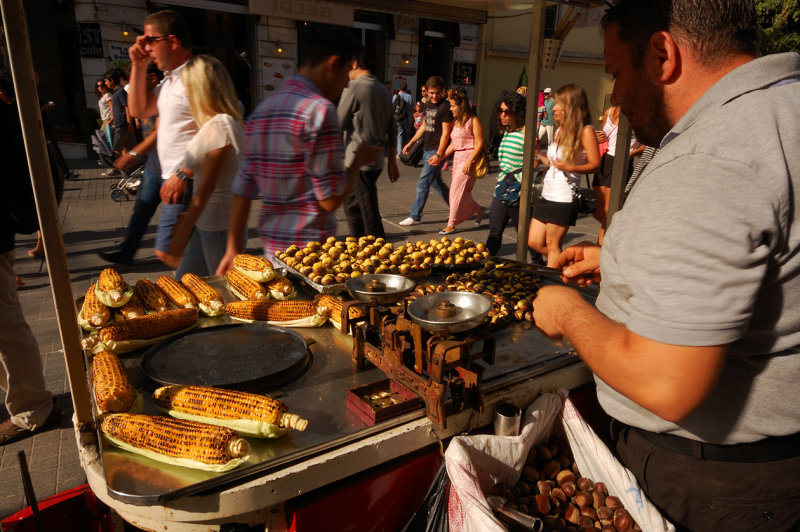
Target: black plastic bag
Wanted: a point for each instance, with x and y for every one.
(414, 154)
(432, 513)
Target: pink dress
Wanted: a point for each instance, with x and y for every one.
(462, 206)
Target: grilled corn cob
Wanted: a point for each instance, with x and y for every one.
(188, 443)
(281, 288)
(208, 298)
(176, 292)
(243, 286)
(297, 313)
(111, 289)
(93, 311)
(335, 306)
(257, 268)
(133, 308)
(150, 326)
(151, 296)
(112, 389)
(241, 411)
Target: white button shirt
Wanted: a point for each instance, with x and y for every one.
(176, 126)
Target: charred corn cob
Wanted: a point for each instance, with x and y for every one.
(175, 438)
(209, 299)
(266, 310)
(257, 268)
(150, 326)
(111, 289)
(133, 308)
(96, 313)
(178, 294)
(335, 306)
(243, 286)
(151, 296)
(281, 287)
(112, 389)
(219, 405)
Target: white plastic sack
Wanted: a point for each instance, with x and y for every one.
(596, 462)
(476, 463)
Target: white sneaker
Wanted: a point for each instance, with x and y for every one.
(410, 221)
(111, 172)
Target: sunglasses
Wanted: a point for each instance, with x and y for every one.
(150, 39)
(505, 111)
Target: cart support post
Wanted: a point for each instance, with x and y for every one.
(528, 162)
(21, 61)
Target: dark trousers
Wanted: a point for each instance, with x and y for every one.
(361, 206)
(710, 496)
(147, 200)
(498, 220)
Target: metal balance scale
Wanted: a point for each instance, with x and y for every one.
(429, 345)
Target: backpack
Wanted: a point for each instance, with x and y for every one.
(399, 108)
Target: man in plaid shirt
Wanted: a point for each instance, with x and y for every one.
(293, 152)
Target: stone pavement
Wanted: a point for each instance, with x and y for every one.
(93, 222)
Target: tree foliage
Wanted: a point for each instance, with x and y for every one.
(779, 22)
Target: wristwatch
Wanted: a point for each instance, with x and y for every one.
(135, 154)
(184, 175)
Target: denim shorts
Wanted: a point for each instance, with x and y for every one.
(169, 217)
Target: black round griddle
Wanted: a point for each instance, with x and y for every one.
(247, 357)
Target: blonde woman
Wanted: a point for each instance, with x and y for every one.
(199, 238)
(573, 153)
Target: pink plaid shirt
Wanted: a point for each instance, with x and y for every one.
(292, 157)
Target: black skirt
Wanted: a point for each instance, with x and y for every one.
(555, 212)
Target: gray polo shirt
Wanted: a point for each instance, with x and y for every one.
(365, 114)
(707, 252)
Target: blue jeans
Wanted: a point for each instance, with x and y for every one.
(403, 129)
(147, 200)
(431, 176)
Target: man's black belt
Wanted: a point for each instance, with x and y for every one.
(769, 449)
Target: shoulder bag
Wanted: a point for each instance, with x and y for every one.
(585, 199)
(509, 188)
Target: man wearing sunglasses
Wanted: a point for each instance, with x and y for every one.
(166, 43)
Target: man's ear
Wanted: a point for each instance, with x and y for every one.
(667, 56)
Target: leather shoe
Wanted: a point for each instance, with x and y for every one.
(9, 432)
(116, 257)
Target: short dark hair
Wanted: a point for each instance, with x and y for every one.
(116, 75)
(366, 64)
(319, 43)
(403, 86)
(435, 81)
(515, 102)
(168, 22)
(715, 29)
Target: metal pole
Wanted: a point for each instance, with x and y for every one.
(21, 61)
(619, 173)
(534, 75)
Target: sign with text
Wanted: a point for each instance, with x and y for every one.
(464, 73)
(304, 10)
(90, 42)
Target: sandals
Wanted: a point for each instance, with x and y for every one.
(446, 232)
(479, 215)
(36, 253)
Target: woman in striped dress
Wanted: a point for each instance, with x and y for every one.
(505, 204)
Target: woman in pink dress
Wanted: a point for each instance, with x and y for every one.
(466, 142)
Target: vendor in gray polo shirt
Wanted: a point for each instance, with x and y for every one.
(694, 342)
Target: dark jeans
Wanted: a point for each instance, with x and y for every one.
(147, 200)
(431, 176)
(361, 206)
(710, 495)
(499, 217)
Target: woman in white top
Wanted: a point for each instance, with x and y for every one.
(211, 162)
(104, 101)
(572, 153)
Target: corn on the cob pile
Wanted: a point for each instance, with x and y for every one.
(133, 308)
(111, 289)
(222, 405)
(176, 438)
(209, 299)
(243, 286)
(94, 311)
(257, 268)
(150, 326)
(151, 296)
(335, 306)
(176, 292)
(266, 310)
(112, 389)
(281, 288)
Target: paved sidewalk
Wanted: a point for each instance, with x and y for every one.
(93, 222)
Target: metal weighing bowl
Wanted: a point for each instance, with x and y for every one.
(470, 311)
(397, 287)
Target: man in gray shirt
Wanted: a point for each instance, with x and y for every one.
(365, 115)
(694, 343)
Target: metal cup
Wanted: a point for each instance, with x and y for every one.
(507, 418)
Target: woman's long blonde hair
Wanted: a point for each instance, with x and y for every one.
(575, 116)
(209, 89)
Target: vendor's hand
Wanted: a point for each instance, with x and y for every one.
(577, 260)
(126, 161)
(549, 306)
(226, 263)
(366, 153)
(172, 189)
(601, 137)
(394, 172)
(138, 53)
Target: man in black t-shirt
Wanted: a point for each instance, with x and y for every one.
(438, 122)
(123, 131)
